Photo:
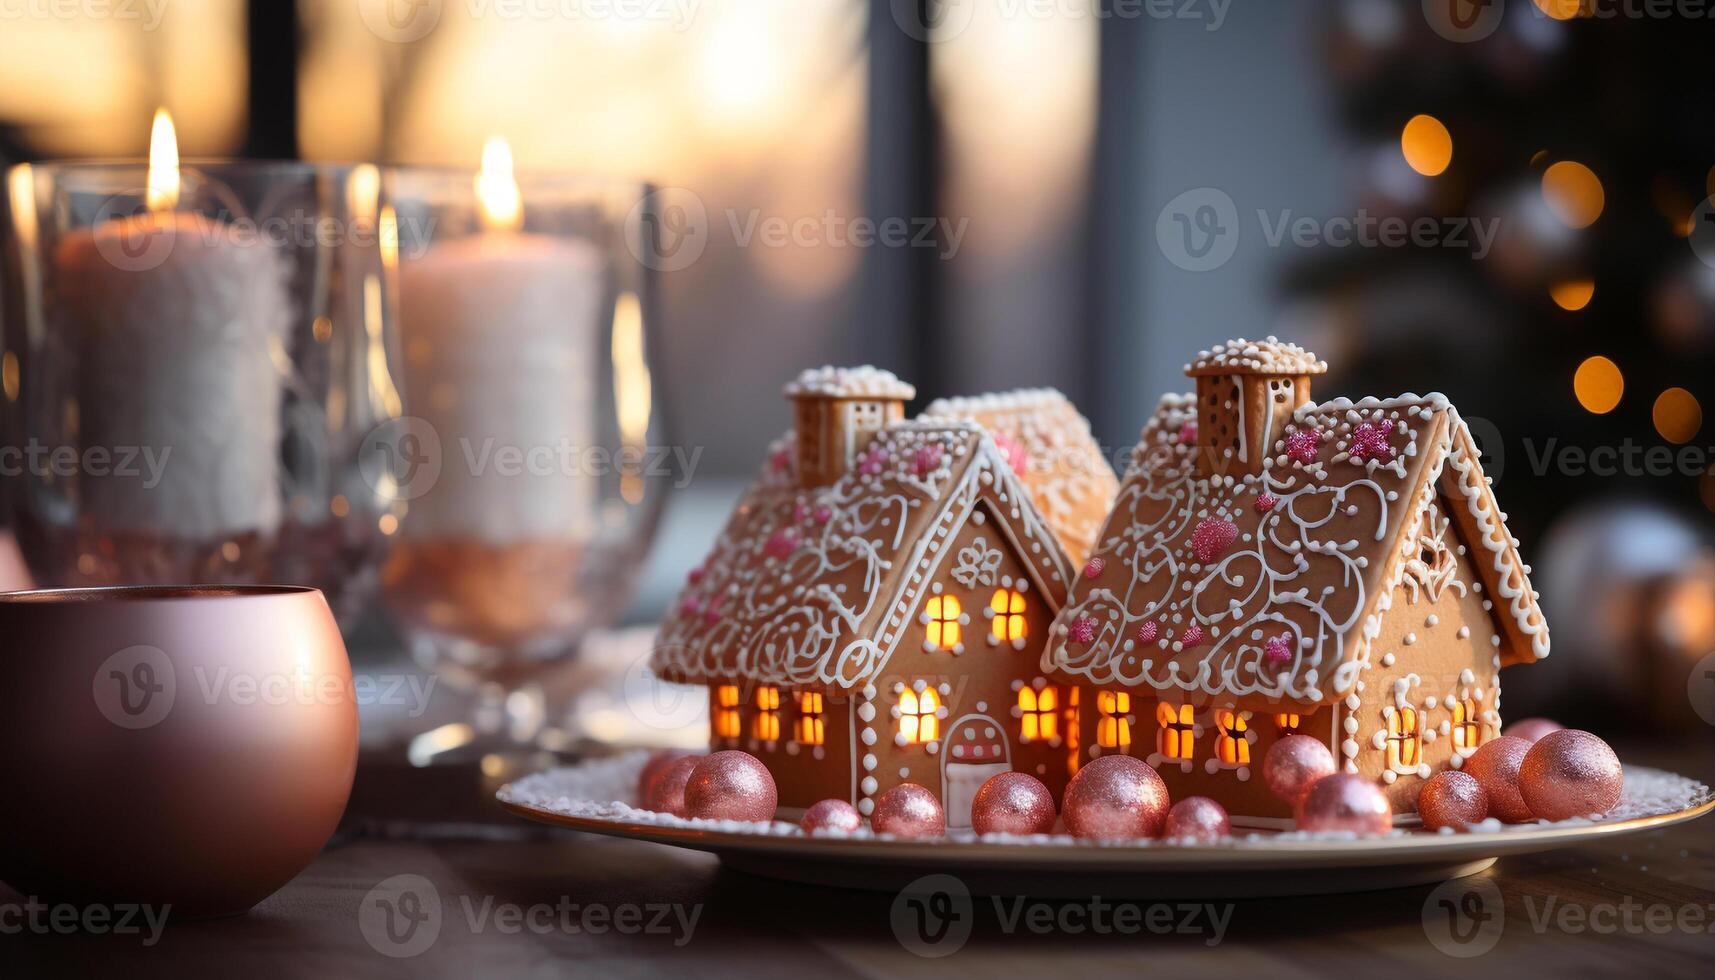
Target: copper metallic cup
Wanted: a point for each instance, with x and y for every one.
(191, 747)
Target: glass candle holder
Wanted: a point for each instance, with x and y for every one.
(529, 463)
(193, 356)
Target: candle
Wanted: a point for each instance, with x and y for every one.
(177, 321)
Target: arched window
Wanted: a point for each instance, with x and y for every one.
(944, 629)
(810, 729)
(1038, 713)
(766, 724)
(1114, 729)
(1466, 729)
(1288, 722)
(1231, 746)
(1008, 624)
(1178, 734)
(726, 711)
(918, 721)
(1404, 740)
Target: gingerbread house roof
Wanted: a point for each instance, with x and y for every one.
(1193, 575)
(1052, 449)
(815, 587)
(1268, 356)
(843, 382)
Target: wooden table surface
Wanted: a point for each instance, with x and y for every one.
(1643, 905)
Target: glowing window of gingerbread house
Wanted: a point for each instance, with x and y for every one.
(1231, 746)
(1114, 729)
(1072, 730)
(918, 716)
(1178, 735)
(944, 629)
(726, 711)
(1038, 713)
(1466, 729)
(1288, 723)
(1008, 608)
(766, 724)
(810, 728)
(1404, 739)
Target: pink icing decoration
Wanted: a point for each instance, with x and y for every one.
(1083, 630)
(1193, 635)
(1095, 567)
(1148, 632)
(873, 461)
(1017, 456)
(691, 606)
(1265, 503)
(824, 515)
(1212, 538)
(781, 461)
(928, 459)
(1302, 445)
(799, 511)
(695, 575)
(1188, 433)
(712, 612)
(781, 543)
(1369, 442)
(1278, 649)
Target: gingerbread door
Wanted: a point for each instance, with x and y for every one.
(976, 750)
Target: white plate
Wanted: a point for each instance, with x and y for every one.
(1253, 864)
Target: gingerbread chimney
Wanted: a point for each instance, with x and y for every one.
(1246, 393)
(838, 411)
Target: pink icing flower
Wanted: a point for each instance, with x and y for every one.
(873, 461)
(928, 459)
(781, 461)
(782, 543)
(824, 515)
(1265, 502)
(1017, 456)
(712, 612)
(1188, 433)
(691, 606)
(1083, 630)
(1095, 567)
(1370, 442)
(1302, 445)
(799, 511)
(695, 575)
(1148, 632)
(1193, 636)
(1212, 538)
(1278, 649)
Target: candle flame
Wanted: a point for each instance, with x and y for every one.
(163, 190)
(497, 194)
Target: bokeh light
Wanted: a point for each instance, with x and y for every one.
(1573, 193)
(1427, 145)
(1560, 9)
(1573, 294)
(1678, 416)
(1599, 385)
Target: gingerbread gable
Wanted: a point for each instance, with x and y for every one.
(1051, 448)
(815, 586)
(1268, 587)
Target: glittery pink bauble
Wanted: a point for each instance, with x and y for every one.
(1013, 803)
(1452, 799)
(731, 785)
(1197, 818)
(1496, 765)
(908, 810)
(1302, 445)
(1082, 630)
(1531, 729)
(1295, 763)
(667, 791)
(1115, 797)
(1265, 502)
(653, 766)
(1345, 803)
(831, 815)
(1211, 538)
(1570, 774)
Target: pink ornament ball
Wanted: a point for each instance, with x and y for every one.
(1013, 803)
(731, 785)
(654, 766)
(1496, 766)
(1294, 764)
(1116, 797)
(1452, 799)
(1569, 774)
(667, 792)
(831, 815)
(1344, 803)
(1532, 729)
(908, 810)
(1197, 818)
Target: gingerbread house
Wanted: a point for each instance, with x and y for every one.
(875, 610)
(1275, 566)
